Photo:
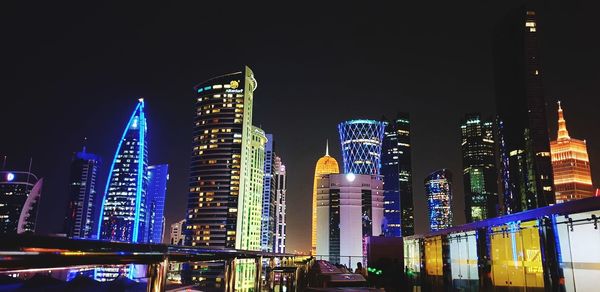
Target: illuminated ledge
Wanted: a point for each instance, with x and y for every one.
(577, 206)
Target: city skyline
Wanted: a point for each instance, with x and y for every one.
(388, 92)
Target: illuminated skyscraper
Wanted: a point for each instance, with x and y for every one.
(572, 175)
(268, 199)
(479, 168)
(526, 169)
(361, 145)
(19, 197)
(438, 189)
(123, 210)
(325, 165)
(397, 176)
(220, 159)
(81, 217)
(349, 209)
(158, 176)
(221, 167)
(250, 228)
(280, 205)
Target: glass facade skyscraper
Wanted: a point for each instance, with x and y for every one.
(397, 176)
(526, 169)
(158, 176)
(80, 219)
(123, 211)
(15, 189)
(438, 189)
(268, 199)
(480, 176)
(361, 145)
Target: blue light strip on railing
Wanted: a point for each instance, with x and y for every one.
(112, 165)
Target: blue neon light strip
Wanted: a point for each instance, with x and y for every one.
(138, 196)
(112, 166)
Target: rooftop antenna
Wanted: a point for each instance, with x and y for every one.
(84, 143)
(29, 171)
(326, 147)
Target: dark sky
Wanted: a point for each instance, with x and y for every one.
(75, 71)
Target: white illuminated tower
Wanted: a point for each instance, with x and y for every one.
(349, 209)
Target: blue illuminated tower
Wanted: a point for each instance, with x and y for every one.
(361, 145)
(268, 199)
(123, 210)
(438, 189)
(158, 176)
(81, 209)
(397, 177)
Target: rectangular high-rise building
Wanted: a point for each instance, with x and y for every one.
(280, 206)
(480, 176)
(81, 209)
(158, 176)
(268, 198)
(526, 170)
(397, 176)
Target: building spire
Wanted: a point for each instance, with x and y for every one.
(327, 147)
(563, 134)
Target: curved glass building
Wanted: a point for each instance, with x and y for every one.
(220, 160)
(325, 165)
(123, 210)
(15, 188)
(361, 145)
(438, 189)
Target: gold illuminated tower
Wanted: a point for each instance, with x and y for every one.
(572, 175)
(325, 165)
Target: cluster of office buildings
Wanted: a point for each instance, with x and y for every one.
(510, 164)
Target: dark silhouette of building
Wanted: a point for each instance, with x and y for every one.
(158, 176)
(81, 209)
(526, 169)
(397, 176)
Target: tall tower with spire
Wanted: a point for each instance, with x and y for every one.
(123, 208)
(571, 165)
(325, 165)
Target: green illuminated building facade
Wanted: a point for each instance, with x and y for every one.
(479, 168)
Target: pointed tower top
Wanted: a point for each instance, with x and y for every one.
(326, 147)
(563, 134)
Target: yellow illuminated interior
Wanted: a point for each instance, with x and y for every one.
(516, 255)
(433, 256)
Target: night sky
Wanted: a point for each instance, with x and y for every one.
(69, 72)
